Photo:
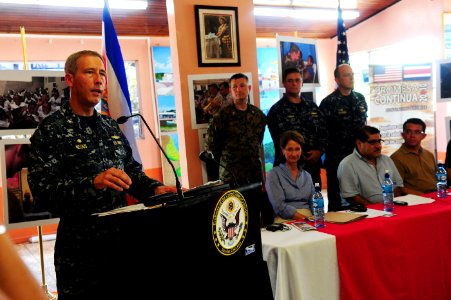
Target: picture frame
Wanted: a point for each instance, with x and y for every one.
(217, 35)
(448, 128)
(198, 90)
(444, 80)
(300, 53)
(21, 88)
(446, 24)
(19, 208)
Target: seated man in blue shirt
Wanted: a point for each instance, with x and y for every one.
(361, 173)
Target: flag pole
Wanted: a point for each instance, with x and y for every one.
(24, 47)
(49, 295)
(41, 249)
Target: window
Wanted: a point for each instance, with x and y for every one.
(133, 89)
(130, 70)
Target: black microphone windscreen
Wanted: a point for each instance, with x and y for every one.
(122, 119)
(206, 156)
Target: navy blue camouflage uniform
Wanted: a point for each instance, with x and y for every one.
(235, 138)
(67, 153)
(305, 118)
(343, 116)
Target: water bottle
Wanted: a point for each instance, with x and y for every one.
(387, 192)
(318, 207)
(442, 183)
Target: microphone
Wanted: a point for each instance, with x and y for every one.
(123, 119)
(207, 156)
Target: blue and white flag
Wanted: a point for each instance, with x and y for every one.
(342, 41)
(116, 102)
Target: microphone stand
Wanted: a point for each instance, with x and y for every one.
(208, 156)
(180, 196)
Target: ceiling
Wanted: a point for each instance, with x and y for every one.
(153, 21)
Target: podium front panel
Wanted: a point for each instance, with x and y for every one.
(177, 247)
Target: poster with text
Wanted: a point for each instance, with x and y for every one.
(397, 93)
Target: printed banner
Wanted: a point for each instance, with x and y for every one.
(398, 93)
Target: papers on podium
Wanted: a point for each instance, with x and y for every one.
(120, 210)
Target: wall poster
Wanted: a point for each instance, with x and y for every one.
(19, 208)
(397, 93)
(301, 54)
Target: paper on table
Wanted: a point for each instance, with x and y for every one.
(303, 226)
(343, 217)
(371, 213)
(135, 207)
(414, 199)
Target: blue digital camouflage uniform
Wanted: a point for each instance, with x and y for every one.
(343, 115)
(305, 118)
(235, 138)
(66, 155)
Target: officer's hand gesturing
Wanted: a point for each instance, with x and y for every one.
(112, 178)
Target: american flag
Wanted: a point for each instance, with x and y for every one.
(417, 72)
(387, 73)
(342, 46)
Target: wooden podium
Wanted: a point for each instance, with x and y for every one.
(209, 241)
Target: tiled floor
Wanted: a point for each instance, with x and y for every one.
(30, 254)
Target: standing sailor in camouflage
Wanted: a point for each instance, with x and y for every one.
(345, 111)
(80, 164)
(292, 112)
(235, 136)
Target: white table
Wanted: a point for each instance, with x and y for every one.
(302, 265)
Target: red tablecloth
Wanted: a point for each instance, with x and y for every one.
(407, 256)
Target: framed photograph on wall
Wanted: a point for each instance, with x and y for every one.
(218, 42)
(27, 97)
(200, 96)
(19, 207)
(448, 128)
(444, 81)
(446, 18)
(301, 54)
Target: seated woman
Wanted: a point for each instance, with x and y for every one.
(289, 187)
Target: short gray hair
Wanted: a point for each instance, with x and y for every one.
(71, 62)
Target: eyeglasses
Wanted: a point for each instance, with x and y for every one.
(374, 142)
(291, 81)
(416, 132)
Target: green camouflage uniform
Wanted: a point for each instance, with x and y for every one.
(235, 138)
